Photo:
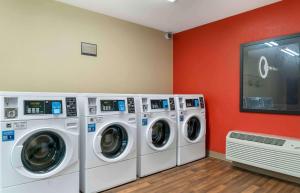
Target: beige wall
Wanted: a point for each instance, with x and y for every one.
(40, 51)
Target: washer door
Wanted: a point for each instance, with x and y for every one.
(43, 152)
(160, 134)
(113, 142)
(194, 128)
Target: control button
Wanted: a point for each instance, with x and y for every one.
(11, 113)
(92, 110)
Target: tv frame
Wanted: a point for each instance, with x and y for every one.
(242, 46)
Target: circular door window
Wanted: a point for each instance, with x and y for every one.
(43, 152)
(160, 133)
(193, 128)
(114, 141)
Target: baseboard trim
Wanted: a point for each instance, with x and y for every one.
(217, 155)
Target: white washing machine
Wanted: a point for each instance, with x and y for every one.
(39, 143)
(108, 141)
(191, 128)
(157, 132)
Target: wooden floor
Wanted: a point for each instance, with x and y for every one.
(207, 176)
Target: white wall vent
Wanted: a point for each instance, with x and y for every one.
(268, 152)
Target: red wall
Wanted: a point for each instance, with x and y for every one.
(206, 60)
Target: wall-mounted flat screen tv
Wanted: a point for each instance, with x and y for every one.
(270, 76)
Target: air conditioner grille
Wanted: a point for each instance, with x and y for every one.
(274, 159)
(258, 139)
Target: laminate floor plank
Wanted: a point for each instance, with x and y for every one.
(207, 176)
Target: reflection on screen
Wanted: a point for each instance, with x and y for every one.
(271, 75)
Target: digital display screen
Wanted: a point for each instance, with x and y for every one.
(159, 104)
(39, 107)
(270, 76)
(192, 102)
(112, 105)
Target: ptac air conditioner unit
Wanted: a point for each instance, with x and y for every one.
(272, 153)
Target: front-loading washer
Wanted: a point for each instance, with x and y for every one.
(39, 143)
(108, 141)
(191, 128)
(157, 133)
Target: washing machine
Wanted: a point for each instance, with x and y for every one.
(157, 132)
(39, 143)
(191, 128)
(108, 141)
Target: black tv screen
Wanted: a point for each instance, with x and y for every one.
(270, 76)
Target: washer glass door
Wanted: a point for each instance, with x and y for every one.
(114, 141)
(160, 133)
(43, 151)
(193, 128)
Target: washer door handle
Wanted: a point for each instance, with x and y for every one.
(16, 156)
(97, 145)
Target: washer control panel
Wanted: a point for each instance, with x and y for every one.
(112, 105)
(33, 106)
(192, 103)
(40, 107)
(159, 104)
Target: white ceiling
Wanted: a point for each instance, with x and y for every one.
(170, 17)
